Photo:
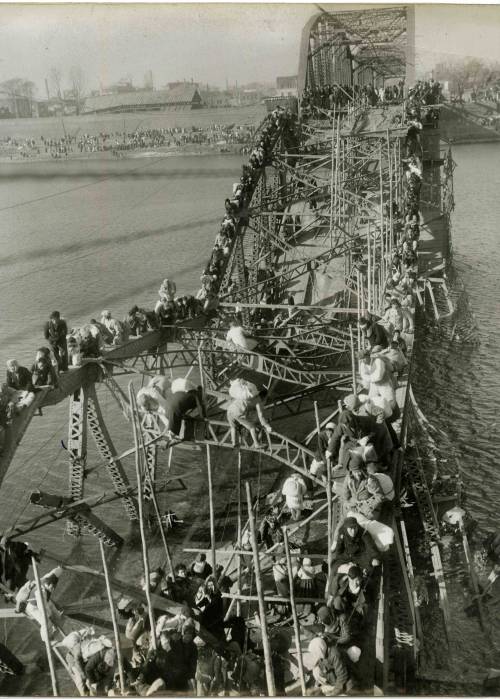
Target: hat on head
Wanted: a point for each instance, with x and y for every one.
(350, 522)
(354, 653)
(354, 572)
(330, 426)
(324, 614)
(351, 401)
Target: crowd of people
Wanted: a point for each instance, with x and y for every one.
(330, 97)
(139, 139)
(424, 94)
(71, 348)
(202, 647)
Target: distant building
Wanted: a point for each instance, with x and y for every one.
(50, 107)
(12, 106)
(286, 86)
(215, 98)
(184, 96)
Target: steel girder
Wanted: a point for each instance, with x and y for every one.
(108, 453)
(77, 449)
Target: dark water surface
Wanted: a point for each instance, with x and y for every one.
(458, 388)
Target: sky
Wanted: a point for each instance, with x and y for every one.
(211, 43)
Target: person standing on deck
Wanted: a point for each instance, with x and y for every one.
(380, 377)
(55, 331)
(394, 315)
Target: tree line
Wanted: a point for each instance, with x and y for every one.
(22, 87)
(468, 74)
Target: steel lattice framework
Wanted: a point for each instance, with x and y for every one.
(357, 47)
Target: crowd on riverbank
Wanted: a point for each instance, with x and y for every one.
(117, 142)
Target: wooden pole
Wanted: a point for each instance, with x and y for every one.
(358, 287)
(112, 610)
(333, 189)
(330, 516)
(138, 473)
(368, 252)
(211, 508)
(374, 270)
(391, 200)
(238, 583)
(40, 600)
(296, 627)
(382, 217)
(353, 361)
(316, 415)
(260, 592)
(154, 500)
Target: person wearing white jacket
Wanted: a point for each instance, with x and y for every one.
(381, 382)
(294, 489)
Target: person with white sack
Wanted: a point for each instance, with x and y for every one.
(237, 339)
(86, 652)
(246, 409)
(151, 400)
(28, 600)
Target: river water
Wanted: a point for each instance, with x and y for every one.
(458, 386)
(80, 237)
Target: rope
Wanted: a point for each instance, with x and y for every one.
(43, 477)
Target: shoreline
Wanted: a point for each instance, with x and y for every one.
(108, 156)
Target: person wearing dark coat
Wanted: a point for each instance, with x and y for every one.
(201, 567)
(43, 374)
(99, 670)
(190, 655)
(354, 545)
(55, 331)
(141, 321)
(374, 333)
(15, 560)
(19, 378)
(177, 405)
(350, 425)
(209, 602)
